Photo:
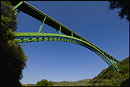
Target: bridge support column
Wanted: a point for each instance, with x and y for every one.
(60, 30)
(42, 25)
(72, 34)
(16, 6)
(81, 38)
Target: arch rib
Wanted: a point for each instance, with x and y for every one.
(35, 37)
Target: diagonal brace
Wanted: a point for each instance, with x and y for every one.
(16, 6)
(42, 25)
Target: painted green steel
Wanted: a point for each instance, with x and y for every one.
(42, 25)
(70, 36)
(34, 37)
(34, 12)
(16, 6)
(60, 29)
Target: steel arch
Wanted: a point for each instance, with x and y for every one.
(35, 37)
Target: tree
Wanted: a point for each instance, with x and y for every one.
(123, 5)
(12, 58)
(44, 82)
(125, 82)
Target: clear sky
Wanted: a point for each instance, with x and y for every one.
(62, 61)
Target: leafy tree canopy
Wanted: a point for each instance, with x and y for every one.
(12, 59)
(123, 5)
(44, 82)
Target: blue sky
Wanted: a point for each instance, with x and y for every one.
(61, 61)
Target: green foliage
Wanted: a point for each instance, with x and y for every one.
(65, 83)
(12, 59)
(8, 22)
(109, 77)
(125, 82)
(44, 82)
(71, 83)
(123, 5)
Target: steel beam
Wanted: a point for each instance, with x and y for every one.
(70, 39)
(16, 6)
(42, 25)
(60, 29)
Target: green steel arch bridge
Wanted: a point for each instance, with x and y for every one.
(69, 35)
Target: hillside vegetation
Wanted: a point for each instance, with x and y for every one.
(109, 77)
(72, 83)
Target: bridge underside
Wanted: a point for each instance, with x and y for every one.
(70, 36)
